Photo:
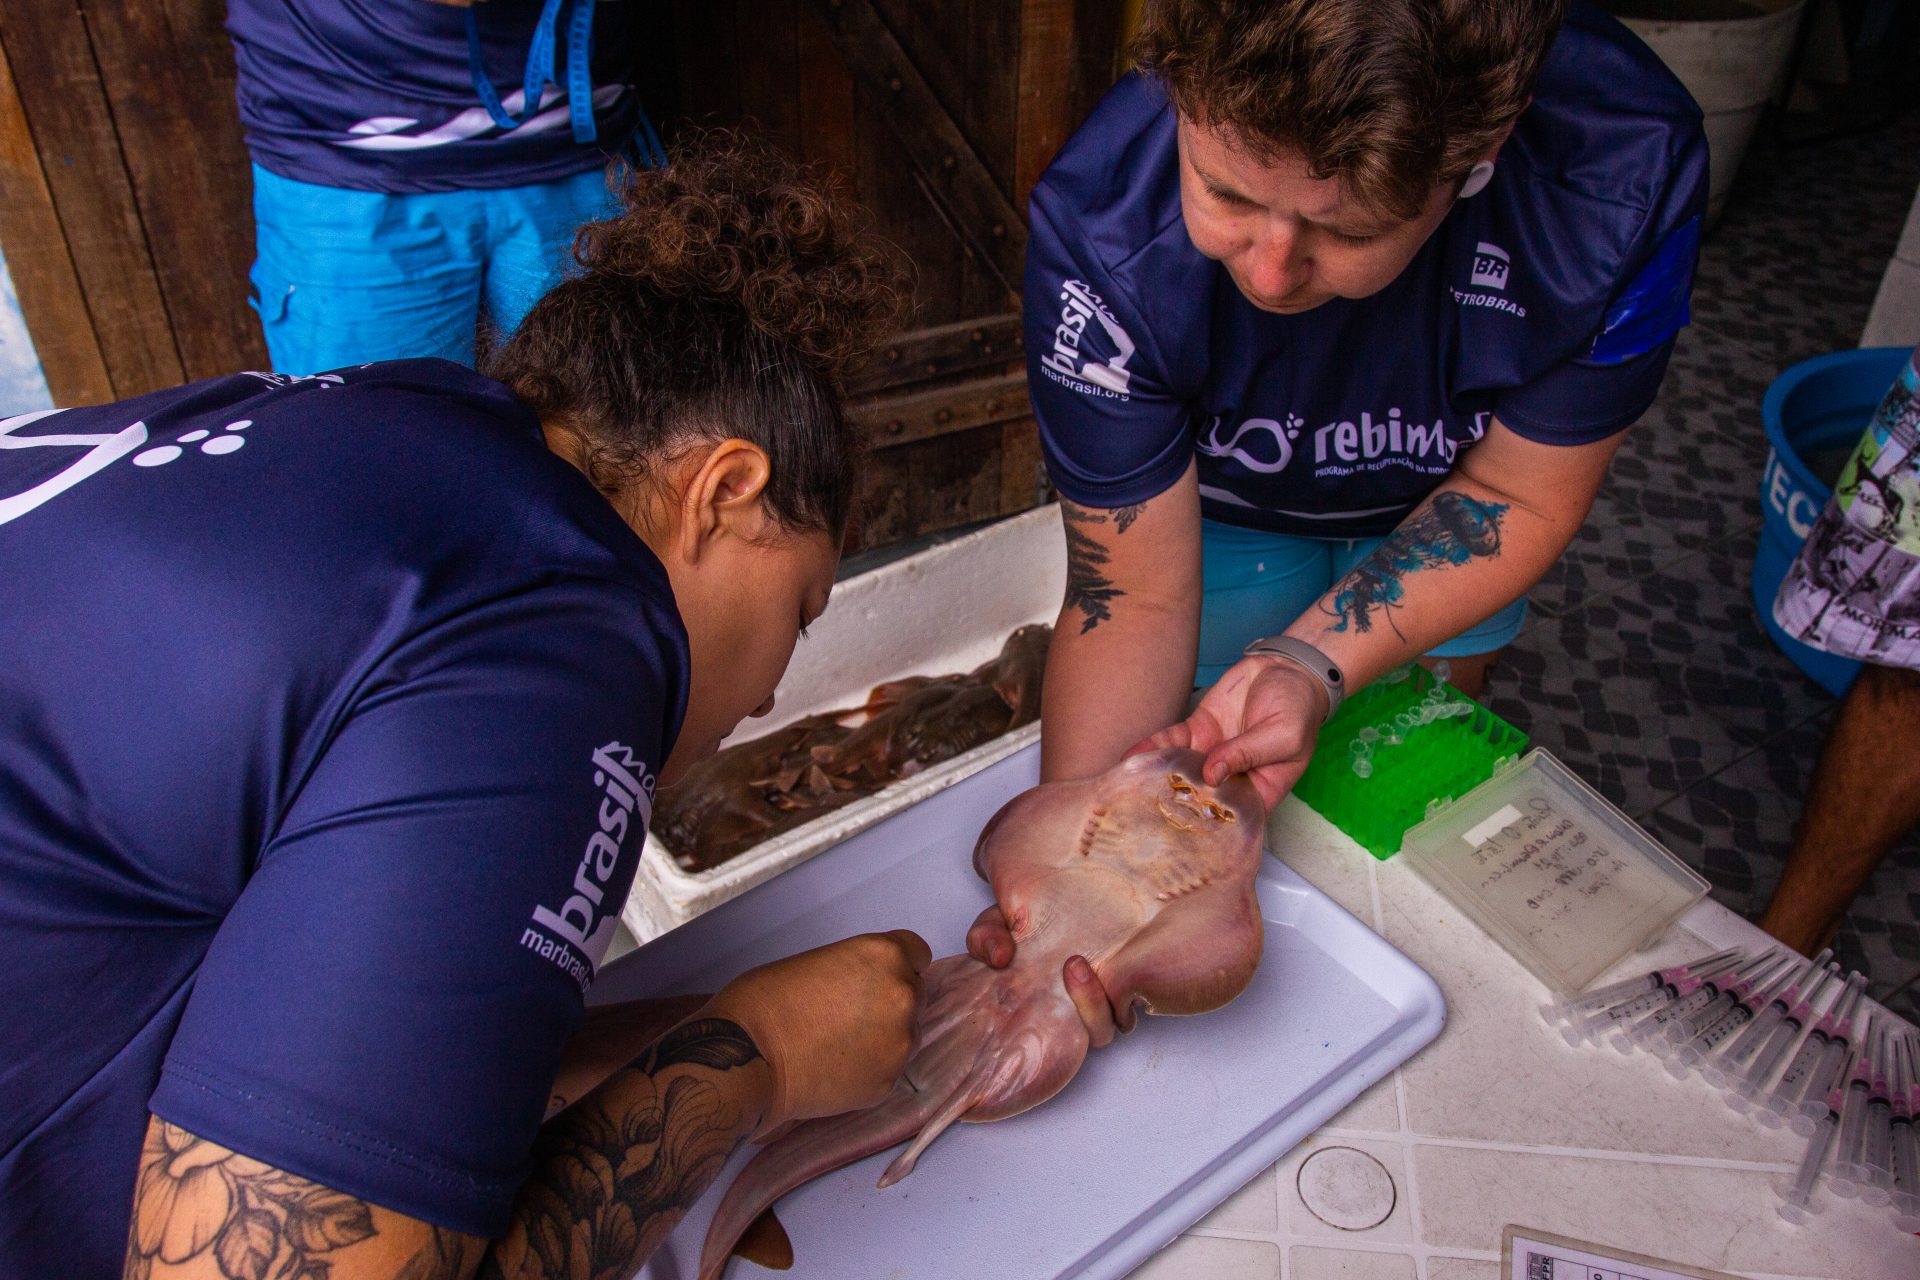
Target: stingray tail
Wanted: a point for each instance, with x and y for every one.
(810, 1150)
(951, 1067)
(962, 1101)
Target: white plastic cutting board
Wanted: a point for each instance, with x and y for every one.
(1156, 1130)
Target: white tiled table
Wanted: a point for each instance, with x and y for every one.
(1499, 1122)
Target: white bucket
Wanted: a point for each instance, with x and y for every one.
(946, 609)
(1731, 65)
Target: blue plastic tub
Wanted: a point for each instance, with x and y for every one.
(1818, 407)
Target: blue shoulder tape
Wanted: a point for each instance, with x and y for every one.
(1653, 306)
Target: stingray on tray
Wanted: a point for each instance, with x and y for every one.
(1145, 871)
(758, 789)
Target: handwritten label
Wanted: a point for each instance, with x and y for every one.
(1555, 876)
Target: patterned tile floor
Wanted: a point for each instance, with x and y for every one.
(1645, 667)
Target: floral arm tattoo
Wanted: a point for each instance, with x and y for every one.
(613, 1174)
(1453, 529)
(1089, 589)
(195, 1200)
(618, 1170)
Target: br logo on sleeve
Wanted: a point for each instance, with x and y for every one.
(576, 935)
(1492, 269)
(1489, 266)
(1090, 349)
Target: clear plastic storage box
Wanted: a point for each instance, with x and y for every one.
(1543, 862)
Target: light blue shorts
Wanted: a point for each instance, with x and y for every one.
(344, 277)
(1257, 583)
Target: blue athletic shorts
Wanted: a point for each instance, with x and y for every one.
(345, 277)
(1257, 583)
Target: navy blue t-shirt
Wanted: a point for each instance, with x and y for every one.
(1548, 301)
(330, 714)
(377, 95)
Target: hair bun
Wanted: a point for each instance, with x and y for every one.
(733, 219)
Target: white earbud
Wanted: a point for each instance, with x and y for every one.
(1477, 179)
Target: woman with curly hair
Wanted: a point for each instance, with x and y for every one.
(332, 711)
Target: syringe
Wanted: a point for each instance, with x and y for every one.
(1563, 1011)
(1828, 1072)
(1649, 1032)
(1677, 983)
(1905, 1148)
(1793, 1081)
(1759, 1049)
(1747, 1005)
(1736, 997)
(1796, 1197)
(1876, 1151)
(1848, 1174)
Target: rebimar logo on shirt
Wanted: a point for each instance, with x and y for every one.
(576, 935)
(1341, 447)
(1091, 358)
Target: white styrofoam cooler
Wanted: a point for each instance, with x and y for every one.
(946, 609)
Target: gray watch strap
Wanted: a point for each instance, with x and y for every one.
(1318, 664)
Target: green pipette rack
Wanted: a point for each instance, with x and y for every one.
(1434, 763)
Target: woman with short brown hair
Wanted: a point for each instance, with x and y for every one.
(1335, 313)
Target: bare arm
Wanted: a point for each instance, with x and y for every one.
(814, 1034)
(1476, 545)
(1121, 663)
(1473, 547)
(613, 1036)
(614, 1174)
(1120, 667)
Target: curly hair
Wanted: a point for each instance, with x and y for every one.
(729, 298)
(1394, 97)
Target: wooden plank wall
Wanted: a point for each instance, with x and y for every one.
(126, 218)
(947, 403)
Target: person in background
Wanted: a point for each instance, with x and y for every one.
(1854, 590)
(420, 164)
(332, 712)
